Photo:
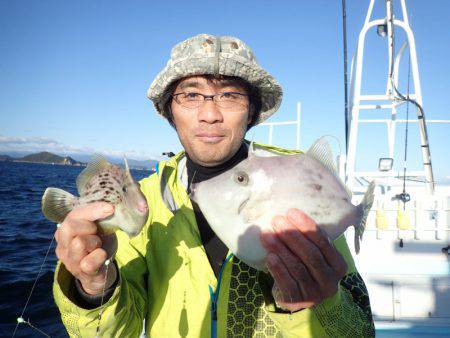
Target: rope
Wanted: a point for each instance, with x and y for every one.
(20, 319)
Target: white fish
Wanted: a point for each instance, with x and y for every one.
(241, 202)
(102, 181)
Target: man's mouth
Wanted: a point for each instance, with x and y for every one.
(210, 138)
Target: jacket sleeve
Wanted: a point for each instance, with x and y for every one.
(123, 314)
(345, 314)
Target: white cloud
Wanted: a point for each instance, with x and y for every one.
(36, 144)
(25, 140)
(26, 144)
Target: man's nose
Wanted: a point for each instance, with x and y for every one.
(208, 112)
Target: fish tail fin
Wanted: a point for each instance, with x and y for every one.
(364, 208)
(56, 204)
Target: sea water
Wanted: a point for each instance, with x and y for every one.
(24, 238)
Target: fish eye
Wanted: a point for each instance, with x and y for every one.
(124, 189)
(241, 178)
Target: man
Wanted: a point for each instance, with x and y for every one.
(176, 274)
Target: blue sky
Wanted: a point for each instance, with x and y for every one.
(74, 74)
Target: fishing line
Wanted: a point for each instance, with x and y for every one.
(100, 312)
(21, 320)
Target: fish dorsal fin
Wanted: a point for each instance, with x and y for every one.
(127, 168)
(97, 163)
(322, 152)
(251, 150)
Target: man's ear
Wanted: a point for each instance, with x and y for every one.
(251, 112)
(170, 116)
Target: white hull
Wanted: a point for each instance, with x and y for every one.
(406, 271)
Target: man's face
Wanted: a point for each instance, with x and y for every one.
(210, 135)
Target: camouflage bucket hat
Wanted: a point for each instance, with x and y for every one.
(216, 55)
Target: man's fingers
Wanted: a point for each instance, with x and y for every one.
(279, 272)
(294, 265)
(303, 248)
(57, 235)
(92, 211)
(60, 253)
(310, 229)
(337, 262)
(298, 243)
(301, 254)
(81, 246)
(93, 262)
(80, 221)
(72, 227)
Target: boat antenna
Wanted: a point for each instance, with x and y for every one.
(405, 157)
(344, 32)
(420, 112)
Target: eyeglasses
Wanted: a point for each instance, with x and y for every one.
(227, 100)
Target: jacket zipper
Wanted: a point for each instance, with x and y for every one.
(215, 297)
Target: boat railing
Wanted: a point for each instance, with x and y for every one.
(424, 216)
(296, 122)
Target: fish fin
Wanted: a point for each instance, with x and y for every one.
(251, 150)
(127, 167)
(364, 208)
(98, 163)
(56, 204)
(322, 152)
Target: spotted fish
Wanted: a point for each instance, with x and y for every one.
(241, 203)
(102, 181)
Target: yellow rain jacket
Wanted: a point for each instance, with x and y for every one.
(165, 279)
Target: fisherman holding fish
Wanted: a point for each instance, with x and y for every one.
(241, 239)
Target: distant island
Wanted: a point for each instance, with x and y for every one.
(43, 157)
(46, 157)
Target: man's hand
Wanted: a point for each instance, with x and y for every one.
(303, 262)
(82, 251)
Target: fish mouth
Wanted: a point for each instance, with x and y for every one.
(142, 209)
(242, 206)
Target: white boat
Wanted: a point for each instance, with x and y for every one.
(405, 259)
(405, 253)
